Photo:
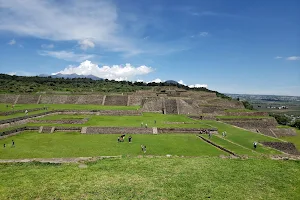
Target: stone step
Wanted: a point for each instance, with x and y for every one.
(83, 130)
(41, 129)
(155, 130)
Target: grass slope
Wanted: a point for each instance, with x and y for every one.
(154, 178)
(56, 145)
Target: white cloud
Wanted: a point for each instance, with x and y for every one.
(157, 80)
(198, 86)
(72, 21)
(139, 80)
(115, 72)
(86, 43)
(47, 46)
(67, 55)
(278, 57)
(12, 42)
(181, 82)
(293, 58)
(203, 34)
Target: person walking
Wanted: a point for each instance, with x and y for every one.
(255, 145)
(129, 139)
(13, 143)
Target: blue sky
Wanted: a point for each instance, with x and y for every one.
(231, 46)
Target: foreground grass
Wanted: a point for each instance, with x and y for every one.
(66, 107)
(56, 145)
(154, 178)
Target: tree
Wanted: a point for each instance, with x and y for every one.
(247, 105)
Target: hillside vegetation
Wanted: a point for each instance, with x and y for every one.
(35, 84)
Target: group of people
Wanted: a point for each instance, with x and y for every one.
(12, 144)
(122, 139)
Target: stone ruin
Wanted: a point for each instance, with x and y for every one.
(266, 126)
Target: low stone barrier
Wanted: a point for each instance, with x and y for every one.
(286, 147)
(17, 130)
(19, 111)
(186, 130)
(62, 121)
(250, 123)
(246, 114)
(118, 130)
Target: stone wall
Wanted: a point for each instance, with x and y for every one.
(89, 99)
(286, 147)
(116, 100)
(252, 123)
(53, 99)
(118, 130)
(154, 104)
(171, 106)
(19, 111)
(8, 98)
(28, 99)
(225, 103)
(246, 114)
(134, 100)
(186, 130)
(186, 108)
(284, 132)
(62, 121)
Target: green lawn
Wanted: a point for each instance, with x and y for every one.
(66, 107)
(131, 121)
(36, 145)
(293, 139)
(154, 178)
(231, 146)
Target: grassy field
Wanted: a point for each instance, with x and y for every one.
(35, 145)
(132, 121)
(66, 107)
(154, 178)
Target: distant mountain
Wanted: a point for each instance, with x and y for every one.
(171, 82)
(70, 76)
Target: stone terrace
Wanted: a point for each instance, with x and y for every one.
(8, 98)
(171, 106)
(116, 100)
(28, 99)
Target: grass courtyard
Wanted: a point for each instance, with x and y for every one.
(154, 178)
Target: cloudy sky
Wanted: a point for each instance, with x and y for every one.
(231, 46)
